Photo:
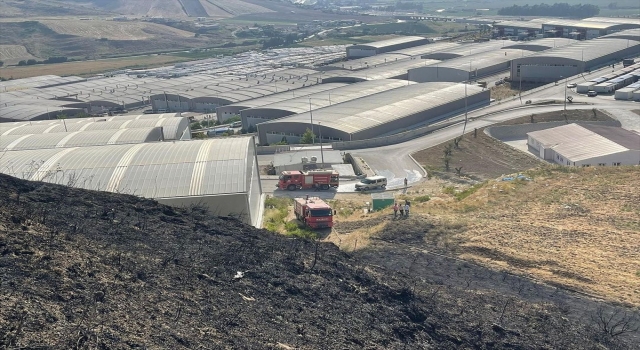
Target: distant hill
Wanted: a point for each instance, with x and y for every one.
(152, 8)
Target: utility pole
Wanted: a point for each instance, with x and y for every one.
(520, 88)
(565, 94)
(311, 116)
(321, 150)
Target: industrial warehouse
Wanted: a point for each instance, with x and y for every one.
(552, 65)
(376, 115)
(176, 128)
(586, 145)
(80, 139)
(253, 116)
(378, 47)
(219, 174)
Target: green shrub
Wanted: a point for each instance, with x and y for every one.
(467, 192)
(422, 199)
(449, 190)
(345, 212)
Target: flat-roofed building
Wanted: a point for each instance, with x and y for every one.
(378, 47)
(586, 145)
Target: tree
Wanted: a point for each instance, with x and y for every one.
(31, 62)
(61, 116)
(22, 63)
(446, 160)
(457, 140)
(251, 129)
(307, 137)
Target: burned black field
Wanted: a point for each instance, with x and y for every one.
(84, 270)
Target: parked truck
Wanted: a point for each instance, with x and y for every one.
(313, 212)
(314, 179)
(628, 62)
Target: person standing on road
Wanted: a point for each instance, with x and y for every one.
(395, 210)
(405, 182)
(406, 209)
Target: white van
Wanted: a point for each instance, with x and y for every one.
(372, 182)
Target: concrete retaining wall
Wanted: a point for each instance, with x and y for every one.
(391, 139)
(272, 149)
(519, 132)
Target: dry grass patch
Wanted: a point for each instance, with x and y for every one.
(579, 228)
(113, 30)
(12, 54)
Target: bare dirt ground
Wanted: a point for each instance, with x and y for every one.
(84, 270)
(483, 157)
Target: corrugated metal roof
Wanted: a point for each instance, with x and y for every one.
(617, 20)
(580, 24)
(152, 170)
(388, 42)
(335, 96)
(387, 71)
(28, 112)
(587, 50)
(385, 107)
(79, 139)
(579, 142)
(520, 24)
(283, 96)
(172, 128)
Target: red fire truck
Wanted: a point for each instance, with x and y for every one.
(313, 212)
(299, 180)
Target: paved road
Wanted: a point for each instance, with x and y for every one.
(395, 163)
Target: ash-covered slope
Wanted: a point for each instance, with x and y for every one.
(82, 269)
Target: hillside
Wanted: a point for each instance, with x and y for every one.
(82, 270)
(137, 8)
(94, 39)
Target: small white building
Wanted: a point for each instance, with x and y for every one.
(305, 160)
(586, 145)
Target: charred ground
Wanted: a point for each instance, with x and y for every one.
(82, 269)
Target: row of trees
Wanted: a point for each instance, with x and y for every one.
(555, 10)
(55, 59)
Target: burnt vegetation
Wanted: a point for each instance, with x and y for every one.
(82, 269)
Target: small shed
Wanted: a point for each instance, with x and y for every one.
(381, 200)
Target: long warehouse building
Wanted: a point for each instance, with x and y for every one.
(80, 139)
(378, 47)
(225, 112)
(253, 116)
(549, 66)
(377, 115)
(172, 128)
(220, 174)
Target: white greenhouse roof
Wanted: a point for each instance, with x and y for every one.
(152, 170)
